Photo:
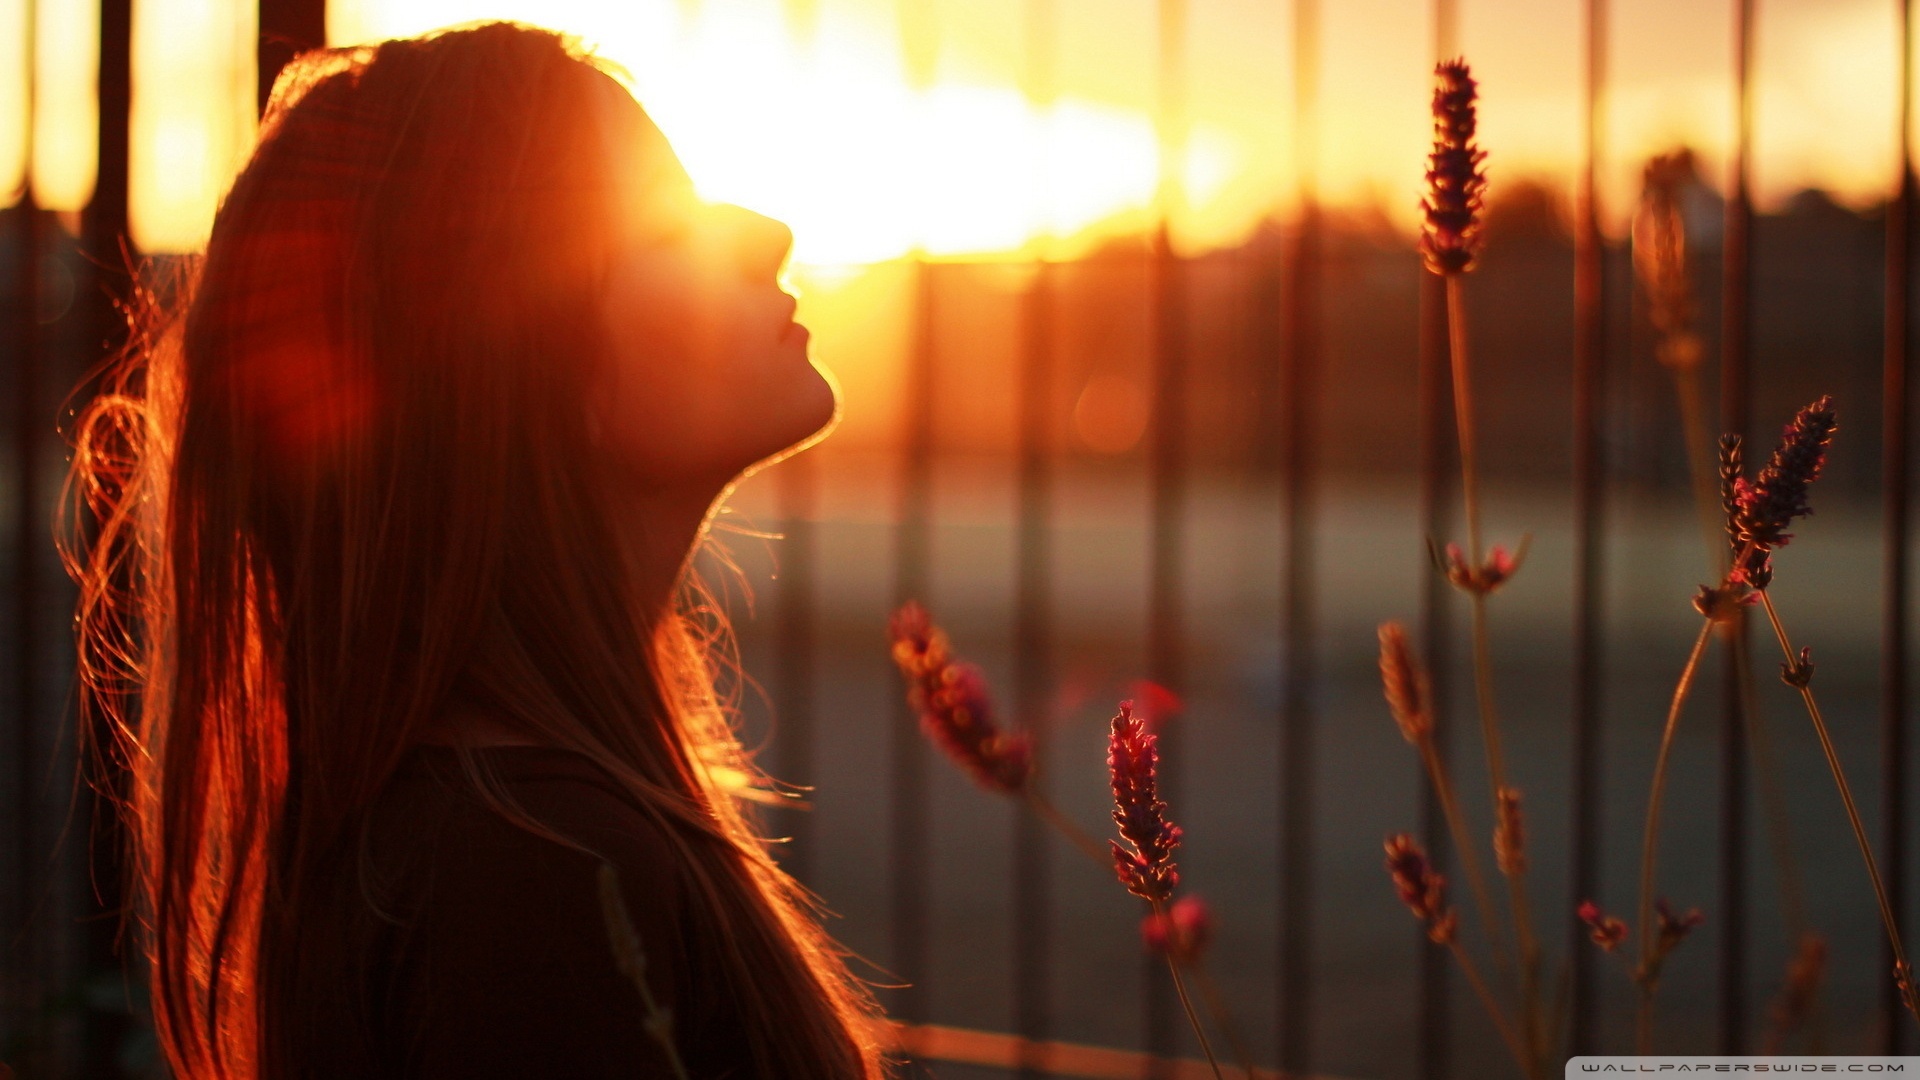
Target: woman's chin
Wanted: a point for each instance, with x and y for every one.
(827, 401)
(816, 412)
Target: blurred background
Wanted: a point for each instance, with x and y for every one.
(1145, 391)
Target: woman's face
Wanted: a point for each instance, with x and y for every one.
(710, 373)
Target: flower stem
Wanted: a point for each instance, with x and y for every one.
(1643, 1021)
(1562, 1004)
(1469, 857)
(1701, 465)
(1528, 946)
(1853, 811)
(1706, 485)
(1500, 1021)
(1463, 411)
(1051, 814)
(1180, 988)
(1217, 1005)
(1647, 977)
(1773, 803)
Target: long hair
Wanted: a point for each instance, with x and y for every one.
(338, 481)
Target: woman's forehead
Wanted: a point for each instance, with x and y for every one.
(638, 150)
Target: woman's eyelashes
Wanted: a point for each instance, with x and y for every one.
(756, 245)
(717, 241)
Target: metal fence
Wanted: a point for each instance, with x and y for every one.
(66, 1015)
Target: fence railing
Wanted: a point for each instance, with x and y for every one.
(55, 896)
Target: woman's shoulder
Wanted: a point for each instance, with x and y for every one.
(565, 781)
(506, 966)
(431, 812)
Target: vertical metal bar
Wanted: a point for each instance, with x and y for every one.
(795, 653)
(26, 699)
(1736, 395)
(287, 29)
(1033, 613)
(103, 230)
(1436, 502)
(1165, 655)
(795, 648)
(1300, 357)
(1589, 485)
(910, 810)
(1436, 498)
(27, 955)
(909, 759)
(1896, 439)
(1446, 30)
(1033, 626)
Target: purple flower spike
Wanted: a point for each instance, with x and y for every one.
(1450, 230)
(1133, 757)
(1768, 504)
(1733, 472)
(1421, 888)
(1408, 691)
(956, 711)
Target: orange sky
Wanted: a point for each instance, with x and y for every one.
(806, 109)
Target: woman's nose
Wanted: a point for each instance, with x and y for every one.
(758, 242)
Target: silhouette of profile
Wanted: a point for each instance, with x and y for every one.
(390, 510)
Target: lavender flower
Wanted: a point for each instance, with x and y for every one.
(1799, 674)
(955, 709)
(1509, 833)
(1797, 996)
(1660, 262)
(1723, 603)
(1133, 757)
(1779, 494)
(1450, 231)
(1500, 565)
(1605, 930)
(1659, 940)
(1408, 694)
(1670, 929)
(1732, 471)
(1421, 888)
(1182, 933)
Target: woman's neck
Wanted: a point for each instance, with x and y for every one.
(657, 533)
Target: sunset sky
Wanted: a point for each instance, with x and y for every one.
(880, 127)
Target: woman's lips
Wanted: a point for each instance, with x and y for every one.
(795, 332)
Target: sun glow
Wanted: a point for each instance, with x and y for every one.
(66, 103)
(808, 109)
(15, 93)
(49, 108)
(826, 129)
(811, 111)
(192, 116)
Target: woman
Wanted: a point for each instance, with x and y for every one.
(391, 512)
